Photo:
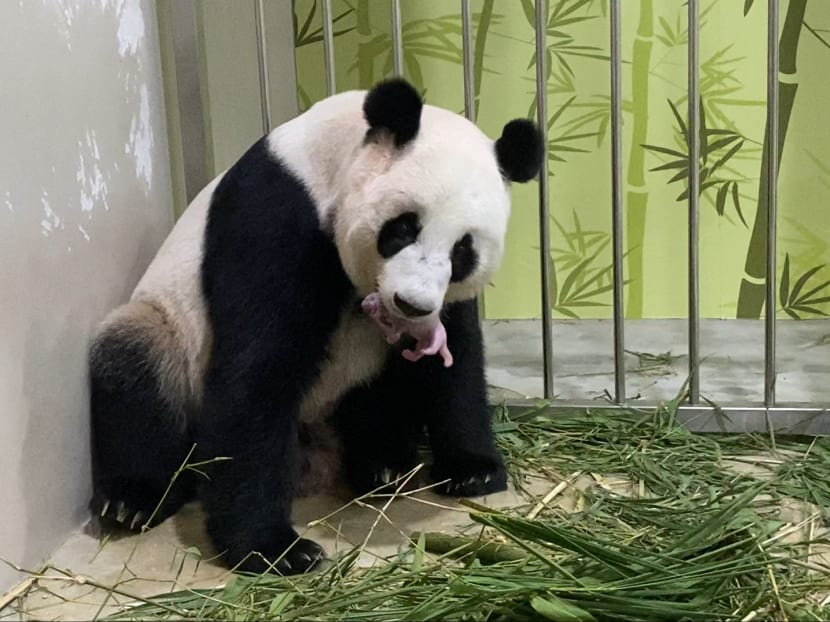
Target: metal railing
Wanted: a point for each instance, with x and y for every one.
(801, 418)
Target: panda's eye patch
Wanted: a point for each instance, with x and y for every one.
(398, 233)
(464, 259)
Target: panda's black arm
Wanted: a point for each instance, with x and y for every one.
(457, 413)
(274, 290)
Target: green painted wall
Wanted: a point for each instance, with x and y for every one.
(733, 83)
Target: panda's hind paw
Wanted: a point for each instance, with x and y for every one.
(115, 514)
(476, 480)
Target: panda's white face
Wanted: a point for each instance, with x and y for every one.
(417, 197)
(424, 224)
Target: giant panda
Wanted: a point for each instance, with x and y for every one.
(316, 299)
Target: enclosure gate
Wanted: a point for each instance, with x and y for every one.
(801, 418)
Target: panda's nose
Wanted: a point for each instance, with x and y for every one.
(408, 309)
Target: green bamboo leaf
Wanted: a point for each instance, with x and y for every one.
(723, 142)
(815, 290)
(815, 301)
(747, 6)
(680, 122)
(565, 311)
(573, 276)
(530, 13)
(683, 174)
(666, 151)
(704, 146)
(720, 199)
(570, 9)
(727, 156)
(413, 67)
(802, 281)
(576, 300)
(737, 202)
(792, 313)
(784, 289)
(670, 165)
(813, 310)
(558, 610)
(307, 23)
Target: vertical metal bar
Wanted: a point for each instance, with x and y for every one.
(772, 198)
(544, 216)
(617, 201)
(328, 47)
(467, 55)
(469, 87)
(694, 202)
(397, 38)
(262, 62)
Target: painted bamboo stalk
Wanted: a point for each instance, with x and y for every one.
(752, 290)
(478, 52)
(365, 55)
(637, 195)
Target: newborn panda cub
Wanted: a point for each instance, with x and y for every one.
(315, 300)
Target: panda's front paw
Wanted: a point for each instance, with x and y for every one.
(471, 476)
(301, 556)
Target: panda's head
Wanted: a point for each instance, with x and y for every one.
(422, 214)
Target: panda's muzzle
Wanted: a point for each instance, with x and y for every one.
(408, 309)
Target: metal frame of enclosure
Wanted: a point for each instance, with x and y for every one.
(795, 418)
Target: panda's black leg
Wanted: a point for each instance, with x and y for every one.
(138, 438)
(459, 420)
(250, 416)
(380, 437)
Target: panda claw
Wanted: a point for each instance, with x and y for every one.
(121, 515)
(105, 508)
(387, 475)
(136, 519)
(487, 478)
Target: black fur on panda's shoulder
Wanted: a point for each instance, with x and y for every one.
(519, 150)
(394, 106)
(274, 288)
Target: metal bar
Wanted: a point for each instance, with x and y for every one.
(694, 203)
(617, 201)
(397, 38)
(469, 87)
(328, 48)
(772, 200)
(791, 419)
(467, 56)
(544, 216)
(262, 62)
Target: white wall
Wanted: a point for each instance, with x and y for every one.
(85, 201)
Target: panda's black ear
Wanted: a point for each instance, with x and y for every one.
(519, 150)
(394, 106)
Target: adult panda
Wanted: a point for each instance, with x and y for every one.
(293, 314)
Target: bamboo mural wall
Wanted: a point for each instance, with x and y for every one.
(655, 141)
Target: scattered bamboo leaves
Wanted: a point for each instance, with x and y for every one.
(699, 541)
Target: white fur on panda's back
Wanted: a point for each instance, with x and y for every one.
(172, 284)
